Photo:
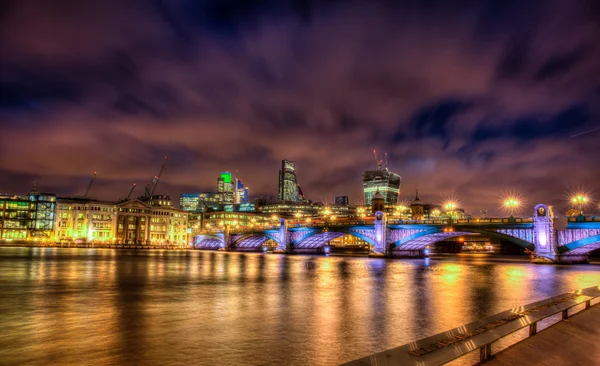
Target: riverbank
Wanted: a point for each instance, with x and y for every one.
(30, 244)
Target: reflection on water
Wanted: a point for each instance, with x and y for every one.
(95, 306)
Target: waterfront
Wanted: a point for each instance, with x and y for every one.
(99, 306)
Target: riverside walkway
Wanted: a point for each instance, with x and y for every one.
(572, 341)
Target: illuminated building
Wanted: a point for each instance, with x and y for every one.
(214, 221)
(27, 217)
(85, 220)
(199, 201)
(336, 211)
(290, 209)
(341, 200)
(140, 223)
(377, 203)
(241, 192)
(384, 181)
(189, 201)
(289, 190)
(417, 208)
(225, 188)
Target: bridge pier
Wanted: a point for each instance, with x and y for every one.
(380, 247)
(544, 235)
(284, 238)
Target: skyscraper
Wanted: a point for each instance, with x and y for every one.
(241, 192)
(225, 188)
(341, 200)
(382, 179)
(288, 184)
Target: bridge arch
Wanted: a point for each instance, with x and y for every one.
(581, 246)
(315, 239)
(209, 242)
(253, 241)
(420, 240)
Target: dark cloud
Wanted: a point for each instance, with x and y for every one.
(468, 98)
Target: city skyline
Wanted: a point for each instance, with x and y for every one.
(469, 101)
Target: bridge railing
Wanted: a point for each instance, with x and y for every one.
(583, 218)
(490, 220)
(450, 345)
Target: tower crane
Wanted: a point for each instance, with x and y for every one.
(151, 187)
(126, 198)
(87, 191)
(380, 160)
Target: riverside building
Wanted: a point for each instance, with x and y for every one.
(28, 217)
(384, 181)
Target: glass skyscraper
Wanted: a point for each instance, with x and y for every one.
(384, 181)
(288, 184)
(225, 187)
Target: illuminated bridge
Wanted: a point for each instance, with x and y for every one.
(549, 239)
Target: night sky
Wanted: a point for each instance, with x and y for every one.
(471, 99)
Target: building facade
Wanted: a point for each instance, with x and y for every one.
(289, 190)
(82, 219)
(225, 188)
(241, 192)
(141, 223)
(341, 201)
(199, 201)
(384, 181)
(28, 217)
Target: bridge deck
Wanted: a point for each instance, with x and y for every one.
(571, 342)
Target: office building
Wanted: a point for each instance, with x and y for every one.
(85, 220)
(27, 217)
(341, 201)
(289, 190)
(241, 192)
(225, 188)
(199, 201)
(384, 181)
(141, 223)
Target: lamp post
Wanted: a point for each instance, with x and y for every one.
(579, 201)
(450, 207)
(511, 205)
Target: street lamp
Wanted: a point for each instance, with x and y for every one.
(450, 206)
(511, 205)
(579, 201)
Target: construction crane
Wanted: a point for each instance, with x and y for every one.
(151, 187)
(87, 191)
(378, 160)
(130, 193)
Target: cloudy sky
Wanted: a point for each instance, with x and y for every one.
(470, 99)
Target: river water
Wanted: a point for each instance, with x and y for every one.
(100, 306)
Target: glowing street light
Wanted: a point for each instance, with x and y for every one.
(450, 206)
(511, 204)
(579, 201)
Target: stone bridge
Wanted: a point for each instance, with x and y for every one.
(548, 238)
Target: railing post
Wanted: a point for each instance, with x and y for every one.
(485, 352)
(565, 314)
(532, 329)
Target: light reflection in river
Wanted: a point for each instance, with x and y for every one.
(86, 306)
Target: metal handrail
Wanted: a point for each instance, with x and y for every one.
(450, 345)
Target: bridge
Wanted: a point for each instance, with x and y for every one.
(549, 239)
